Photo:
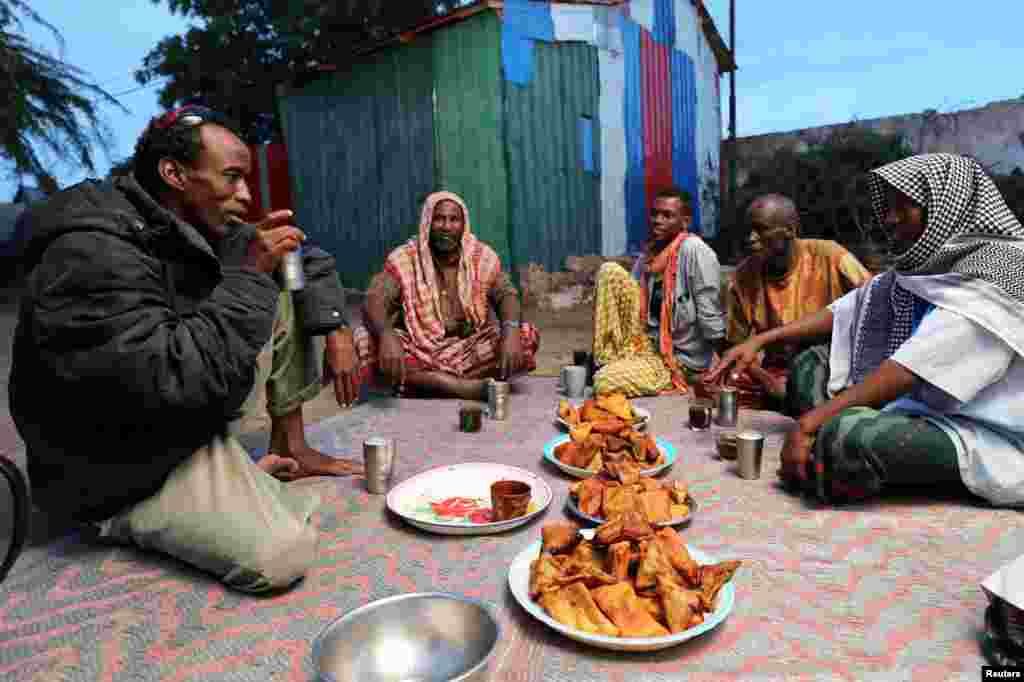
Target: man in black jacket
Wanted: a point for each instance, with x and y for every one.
(151, 314)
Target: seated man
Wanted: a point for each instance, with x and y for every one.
(785, 279)
(657, 330)
(150, 317)
(921, 383)
(430, 326)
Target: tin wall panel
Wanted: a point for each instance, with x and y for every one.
(468, 118)
(684, 131)
(360, 153)
(665, 22)
(613, 153)
(709, 136)
(633, 115)
(554, 201)
(657, 112)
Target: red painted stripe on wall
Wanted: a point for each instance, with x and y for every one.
(269, 170)
(280, 183)
(253, 182)
(657, 111)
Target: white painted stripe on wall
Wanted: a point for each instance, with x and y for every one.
(573, 23)
(612, 69)
(687, 28)
(642, 12)
(709, 135)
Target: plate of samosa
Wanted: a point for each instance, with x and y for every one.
(624, 586)
(608, 413)
(586, 455)
(603, 498)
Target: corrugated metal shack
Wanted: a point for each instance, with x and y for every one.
(555, 121)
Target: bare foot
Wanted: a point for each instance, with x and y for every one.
(314, 463)
(283, 468)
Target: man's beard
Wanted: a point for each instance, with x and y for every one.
(444, 244)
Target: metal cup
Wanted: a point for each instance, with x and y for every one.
(749, 449)
(574, 381)
(583, 358)
(727, 444)
(728, 407)
(497, 399)
(379, 460)
(292, 275)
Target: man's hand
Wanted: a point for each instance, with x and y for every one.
(283, 468)
(275, 236)
(796, 453)
(741, 356)
(340, 356)
(392, 358)
(510, 357)
(775, 385)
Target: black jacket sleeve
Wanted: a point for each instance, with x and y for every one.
(320, 306)
(107, 326)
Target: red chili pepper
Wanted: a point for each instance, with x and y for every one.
(482, 516)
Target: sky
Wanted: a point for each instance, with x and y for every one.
(803, 63)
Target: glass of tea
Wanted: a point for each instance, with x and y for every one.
(700, 415)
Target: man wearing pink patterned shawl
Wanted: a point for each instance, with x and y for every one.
(443, 317)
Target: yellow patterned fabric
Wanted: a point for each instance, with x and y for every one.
(622, 348)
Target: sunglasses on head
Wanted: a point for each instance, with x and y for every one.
(188, 117)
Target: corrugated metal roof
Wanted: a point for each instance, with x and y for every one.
(554, 203)
(468, 120)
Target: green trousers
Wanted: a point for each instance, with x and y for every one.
(862, 451)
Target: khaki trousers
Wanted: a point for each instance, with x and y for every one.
(220, 512)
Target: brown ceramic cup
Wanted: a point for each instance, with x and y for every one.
(509, 499)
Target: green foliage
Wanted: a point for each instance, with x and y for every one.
(49, 103)
(238, 50)
(828, 183)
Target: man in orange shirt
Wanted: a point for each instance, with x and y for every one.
(785, 279)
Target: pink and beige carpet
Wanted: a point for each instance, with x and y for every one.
(882, 591)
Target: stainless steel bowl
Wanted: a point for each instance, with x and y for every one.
(423, 637)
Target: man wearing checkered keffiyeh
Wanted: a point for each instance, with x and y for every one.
(923, 382)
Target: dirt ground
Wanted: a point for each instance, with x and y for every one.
(561, 333)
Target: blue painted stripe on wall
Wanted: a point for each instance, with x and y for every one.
(530, 19)
(523, 22)
(684, 129)
(636, 203)
(665, 22)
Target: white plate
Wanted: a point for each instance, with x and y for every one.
(645, 417)
(411, 498)
(570, 502)
(664, 446)
(519, 583)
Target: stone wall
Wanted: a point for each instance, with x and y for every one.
(993, 134)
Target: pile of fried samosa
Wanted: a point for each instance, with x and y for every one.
(603, 431)
(630, 581)
(609, 498)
